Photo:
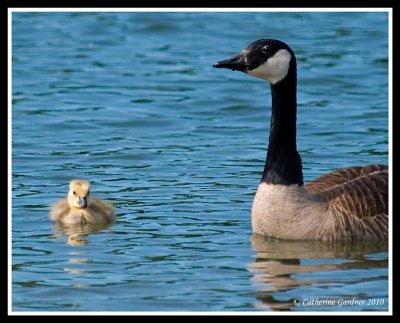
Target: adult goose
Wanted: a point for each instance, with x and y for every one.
(350, 203)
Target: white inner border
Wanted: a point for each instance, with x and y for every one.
(390, 156)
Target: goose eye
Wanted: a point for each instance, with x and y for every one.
(264, 49)
(74, 193)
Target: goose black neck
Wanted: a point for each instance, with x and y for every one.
(283, 164)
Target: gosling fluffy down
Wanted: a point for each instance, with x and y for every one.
(80, 208)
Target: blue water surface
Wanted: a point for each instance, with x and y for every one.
(130, 101)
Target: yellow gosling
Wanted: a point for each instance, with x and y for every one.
(80, 208)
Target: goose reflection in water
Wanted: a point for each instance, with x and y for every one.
(77, 234)
(279, 264)
(80, 262)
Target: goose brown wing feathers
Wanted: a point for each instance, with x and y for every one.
(339, 177)
(360, 206)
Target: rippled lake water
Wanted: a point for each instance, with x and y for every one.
(130, 101)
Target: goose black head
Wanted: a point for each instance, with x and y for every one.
(267, 59)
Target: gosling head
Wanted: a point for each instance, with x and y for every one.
(78, 195)
(267, 59)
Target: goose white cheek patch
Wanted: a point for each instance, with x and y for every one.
(275, 68)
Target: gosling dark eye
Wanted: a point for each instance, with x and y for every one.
(74, 193)
(264, 49)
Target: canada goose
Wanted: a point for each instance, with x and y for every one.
(79, 208)
(350, 203)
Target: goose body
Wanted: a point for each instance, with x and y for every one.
(349, 203)
(80, 208)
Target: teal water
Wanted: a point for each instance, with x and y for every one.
(130, 101)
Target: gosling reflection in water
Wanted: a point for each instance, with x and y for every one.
(279, 261)
(77, 234)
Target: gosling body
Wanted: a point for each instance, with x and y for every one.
(80, 208)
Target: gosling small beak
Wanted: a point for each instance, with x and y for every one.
(83, 201)
(235, 63)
